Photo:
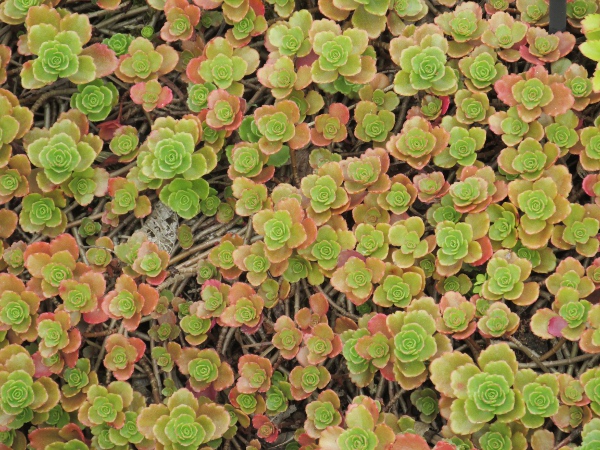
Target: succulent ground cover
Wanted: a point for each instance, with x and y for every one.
(385, 225)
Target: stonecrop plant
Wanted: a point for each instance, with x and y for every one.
(299, 225)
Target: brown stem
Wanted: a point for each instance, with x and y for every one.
(174, 87)
(560, 362)
(153, 382)
(95, 334)
(474, 346)
(393, 400)
(77, 222)
(255, 97)
(432, 8)
(294, 167)
(123, 169)
(529, 353)
(44, 97)
(575, 433)
(553, 350)
(194, 250)
(221, 340)
(337, 307)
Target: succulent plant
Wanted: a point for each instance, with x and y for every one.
(498, 320)
(533, 93)
(119, 43)
(325, 191)
(543, 47)
(513, 129)
(506, 279)
(306, 380)
(367, 172)
(244, 308)
(540, 393)
(361, 426)
(22, 394)
(541, 204)
(95, 99)
(280, 124)
(415, 342)
(340, 53)
(348, 232)
(355, 278)
(456, 316)
(183, 421)
(223, 65)
(121, 355)
(407, 235)
(144, 62)
(463, 147)
(129, 301)
(18, 308)
(281, 77)
(58, 42)
(489, 389)
(426, 402)
(63, 149)
(534, 12)
(322, 413)
(579, 230)
(423, 63)
(290, 37)
(51, 263)
(457, 243)
(151, 95)
(284, 228)
(465, 24)
(418, 142)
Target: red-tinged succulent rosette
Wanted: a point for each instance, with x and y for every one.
(151, 95)
(535, 92)
(356, 277)
(181, 20)
(51, 263)
(456, 316)
(151, 262)
(255, 373)
(280, 124)
(307, 318)
(205, 369)
(287, 337)
(367, 173)
(83, 294)
(306, 380)
(222, 256)
(24, 304)
(284, 228)
(121, 355)
(225, 111)
(362, 421)
(129, 302)
(143, 62)
(266, 429)
(320, 343)
(250, 162)
(58, 336)
(411, 441)
(282, 76)
(418, 142)
(481, 180)
(40, 438)
(551, 47)
(244, 309)
(330, 127)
